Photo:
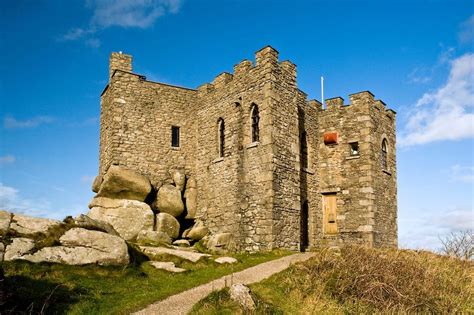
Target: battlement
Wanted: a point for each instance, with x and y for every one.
(119, 61)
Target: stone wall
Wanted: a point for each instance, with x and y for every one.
(136, 121)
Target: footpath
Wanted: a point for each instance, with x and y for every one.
(182, 303)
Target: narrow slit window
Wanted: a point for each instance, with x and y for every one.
(175, 137)
(255, 122)
(354, 148)
(304, 150)
(384, 154)
(221, 136)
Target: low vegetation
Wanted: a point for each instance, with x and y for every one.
(361, 280)
(52, 288)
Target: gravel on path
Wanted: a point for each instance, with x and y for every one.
(182, 303)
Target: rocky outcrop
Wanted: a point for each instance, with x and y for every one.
(128, 217)
(25, 225)
(178, 178)
(81, 246)
(121, 183)
(221, 243)
(167, 224)
(181, 243)
(5, 220)
(20, 246)
(190, 195)
(154, 252)
(197, 232)
(83, 221)
(225, 260)
(97, 183)
(241, 294)
(153, 238)
(168, 200)
(166, 265)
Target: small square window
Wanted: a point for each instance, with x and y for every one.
(174, 136)
(354, 147)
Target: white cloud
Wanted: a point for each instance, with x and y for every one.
(11, 200)
(424, 231)
(446, 113)
(7, 159)
(10, 122)
(130, 13)
(466, 35)
(121, 13)
(460, 173)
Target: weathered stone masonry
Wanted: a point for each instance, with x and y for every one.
(268, 193)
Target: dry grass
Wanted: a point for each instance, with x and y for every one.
(362, 280)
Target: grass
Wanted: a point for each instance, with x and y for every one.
(360, 280)
(54, 288)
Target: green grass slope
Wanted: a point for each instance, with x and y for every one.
(361, 280)
(59, 289)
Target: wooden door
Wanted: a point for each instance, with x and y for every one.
(329, 214)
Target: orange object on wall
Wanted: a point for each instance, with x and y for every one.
(330, 138)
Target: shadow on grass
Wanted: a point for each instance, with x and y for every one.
(24, 295)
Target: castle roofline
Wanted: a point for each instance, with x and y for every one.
(267, 46)
(366, 91)
(144, 78)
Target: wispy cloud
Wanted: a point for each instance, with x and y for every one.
(7, 159)
(423, 232)
(447, 112)
(424, 74)
(466, 34)
(460, 173)
(120, 13)
(11, 122)
(11, 200)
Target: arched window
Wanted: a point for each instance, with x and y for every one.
(304, 150)
(384, 154)
(255, 121)
(220, 137)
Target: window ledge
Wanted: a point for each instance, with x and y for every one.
(176, 148)
(387, 172)
(353, 157)
(219, 159)
(307, 170)
(252, 145)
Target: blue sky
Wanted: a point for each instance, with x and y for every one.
(417, 56)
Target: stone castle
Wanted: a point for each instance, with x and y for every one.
(270, 167)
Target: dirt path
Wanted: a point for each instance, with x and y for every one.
(182, 303)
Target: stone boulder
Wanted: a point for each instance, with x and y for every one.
(197, 232)
(168, 200)
(179, 178)
(241, 294)
(225, 260)
(27, 226)
(156, 252)
(121, 183)
(85, 222)
(166, 265)
(5, 220)
(97, 183)
(153, 238)
(181, 243)
(20, 246)
(127, 217)
(190, 195)
(2, 253)
(221, 243)
(168, 224)
(81, 247)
